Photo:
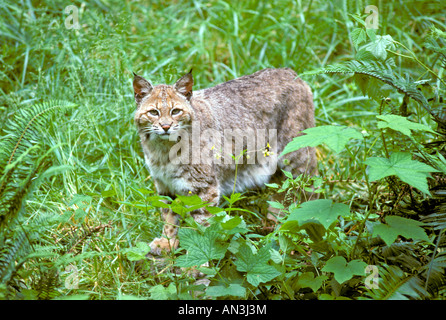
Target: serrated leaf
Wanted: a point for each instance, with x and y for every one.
(379, 45)
(371, 33)
(230, 224)
(358, 36)
(139, 252)
(324, 211)
(201, 248)
(344, 271)
(335, 137)
(255, 265)
(401, 164)
(276, 204)
(184, 204)
(396, 226)
(401, 124)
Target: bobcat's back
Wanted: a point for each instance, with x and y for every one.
(270, 99)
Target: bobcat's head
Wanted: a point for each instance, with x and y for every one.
(163, 109)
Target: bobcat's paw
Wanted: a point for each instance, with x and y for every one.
(160, 245)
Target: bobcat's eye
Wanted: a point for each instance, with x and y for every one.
(154, 112)
(175, 112)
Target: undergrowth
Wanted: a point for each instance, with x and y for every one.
(77, 209)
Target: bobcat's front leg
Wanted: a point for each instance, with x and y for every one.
(211, 195)
(169, 240)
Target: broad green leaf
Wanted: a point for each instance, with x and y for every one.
(159, 292)
(401, 164)
(276, 204)
(316, 231)
(401, 124)
(255, 265)
(139, 252)
(307, 279)
(335, 137)
(233, 289)
(358, 36)
(396, 226)
(324, 211)
(379, 45)
(276, 256)
(184, 204)
(200, 247)
(231, 222)
(291, 226)
(234, 225)
(191, 200)
(371, 33)
(344, 271)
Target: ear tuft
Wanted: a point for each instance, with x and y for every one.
(141, 87)
(184, 85)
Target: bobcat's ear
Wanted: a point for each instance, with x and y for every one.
(141, 87)
(184, 85)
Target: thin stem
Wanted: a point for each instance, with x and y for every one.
(414, 57)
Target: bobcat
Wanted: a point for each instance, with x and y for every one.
(194, 141)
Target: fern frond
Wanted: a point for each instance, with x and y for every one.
(20, 158)
(13, 248)
(22, 131)
(49, 280)
(434, 273)
(394, 284)
(380, 71)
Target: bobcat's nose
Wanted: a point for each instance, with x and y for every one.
(165, 127)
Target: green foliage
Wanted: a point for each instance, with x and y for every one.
(255, 264)
(395, 285)
(21, 158)
(335, 137)
(234, 290)
(401, 164)
(200, 248)
(401, 124)
(408, 228)
(344, 270)
(323, 211)
(21, 161)
(373, 62)
(77, 209)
